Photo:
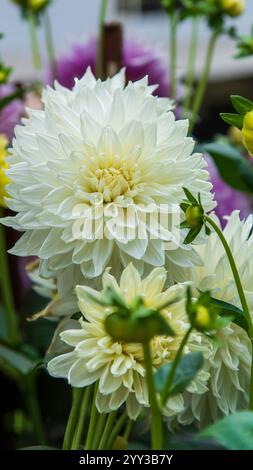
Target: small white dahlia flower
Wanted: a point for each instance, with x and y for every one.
(116, 365)
(99, 155)
(229, 361)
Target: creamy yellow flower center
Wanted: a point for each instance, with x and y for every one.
(113, 179)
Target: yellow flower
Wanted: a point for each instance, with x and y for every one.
(233, 7)
(4, 180)
(247, 132)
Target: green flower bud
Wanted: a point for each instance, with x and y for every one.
(194, 216)
(233, 7)
(33, 5)
(203, 320)
(131, 329)
(247, 132)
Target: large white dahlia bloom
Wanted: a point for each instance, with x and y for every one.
(229, 361)
(92, 154)
(119, 366)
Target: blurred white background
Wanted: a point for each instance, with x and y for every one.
(73, 20)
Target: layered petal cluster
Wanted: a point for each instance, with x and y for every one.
(89, 171)
(118, 366)
(230, 359)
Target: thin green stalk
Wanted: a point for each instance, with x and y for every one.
(34, 41)
(30, 394)
(77, 394)
(107, 430)
(99, 430)
(50, 44)
(116, 430)
(240, 293)
(175, 364)
(173, 54)
(6, 291)
(200, 92)
(100, 49)
(82, 416)
(189, 81)
(156, 423)
(128, 429)
(93, 421)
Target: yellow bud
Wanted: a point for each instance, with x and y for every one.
(4, 180)
(36, 4)
(233, 7)
(31, 4)
(235, 135)
(202, 318)
(3, 75)
(247, 132)
(194, 216)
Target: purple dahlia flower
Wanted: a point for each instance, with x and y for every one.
(11, 114)
(228, 199)
(139, 60)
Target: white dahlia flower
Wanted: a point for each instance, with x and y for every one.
(229, 361)
(102, 152)
(119, 366)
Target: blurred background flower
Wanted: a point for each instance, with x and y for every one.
(11, 114)
(139, 60)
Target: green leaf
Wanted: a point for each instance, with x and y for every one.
(235, 170)
(230, 310)
(241, 104)
(192, 234)
(16, 360)
(235, 432)
(188, 367)
(233, 119)
(190, 196)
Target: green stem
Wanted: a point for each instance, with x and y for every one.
(77, 394)
(100, 48)
(93, 421)
(107, 430)
(50, 44)
(116, 430)
(175, 364)
(200, 92)
(82, 416)
(156, 424)
(6, 291)
(128, 429)
(99, 430)
(189, 81)
(173, 54)
(30, 393)
(240, 293)
(34, 41)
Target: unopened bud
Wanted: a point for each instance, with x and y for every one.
(194, 216)
(202, 318)
(247, 132)
(132, 330)
(233, 7)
